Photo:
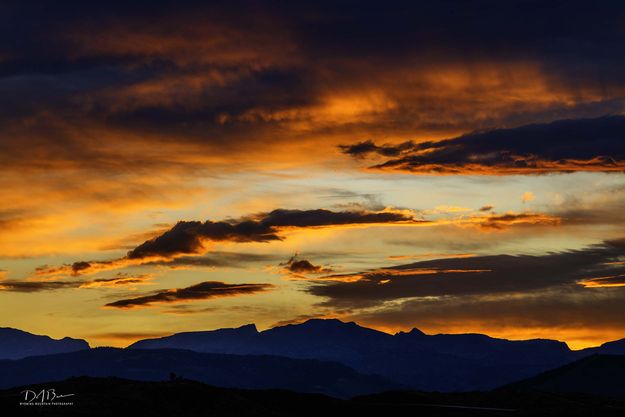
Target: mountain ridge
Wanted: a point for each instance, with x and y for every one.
(17, 344)
(441, 362)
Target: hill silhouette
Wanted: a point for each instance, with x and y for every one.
(250, 371)
(182, 398)
(16, 344)
(616, 347)
(600, 375)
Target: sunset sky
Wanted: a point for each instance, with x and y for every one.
(176, 166)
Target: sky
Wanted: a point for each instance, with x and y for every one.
(178, 166)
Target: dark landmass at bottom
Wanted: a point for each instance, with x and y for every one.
(180, 397)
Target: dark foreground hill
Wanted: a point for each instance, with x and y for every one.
(253, 372)
(16, 344)
(600, 375)
(181, 398)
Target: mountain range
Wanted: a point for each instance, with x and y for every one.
(17, 344)
(341, 358)
(443, 362)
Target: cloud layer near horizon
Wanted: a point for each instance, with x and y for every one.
(596, 266)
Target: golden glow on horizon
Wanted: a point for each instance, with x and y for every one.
(575, 338)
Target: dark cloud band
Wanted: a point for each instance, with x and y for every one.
(479, 275)
(189, 237)
(202, 291)
(562, 146)
(300, 267)
(37, 286)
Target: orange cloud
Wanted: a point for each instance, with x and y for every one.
(528, 196)
(118, 280)
(431, 256)
(603, 282)
(189, 238)
(379, 275)
(32, 286)
(501, 221)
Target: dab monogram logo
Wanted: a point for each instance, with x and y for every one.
(46, 396)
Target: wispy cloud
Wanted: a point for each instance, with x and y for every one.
(202, 291)
(30, 286)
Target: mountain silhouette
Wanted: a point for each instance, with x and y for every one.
(415, 360)
(250, 371)
(16, 344)
(233, 341)
(455, 362)
(616, 347)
